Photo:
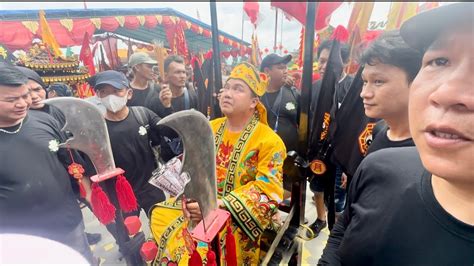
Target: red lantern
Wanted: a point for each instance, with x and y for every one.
(280, 47)
(266, 50)
(285, 52)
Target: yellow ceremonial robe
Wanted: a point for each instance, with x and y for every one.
(249, 166)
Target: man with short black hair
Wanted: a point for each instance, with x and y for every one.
(39, 93)
(282, 101)
(132, 131)
(390, 66)
(36, 197)
(145, 93)
(414, 205)
(179, 98)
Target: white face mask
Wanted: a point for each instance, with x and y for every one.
(114, 103)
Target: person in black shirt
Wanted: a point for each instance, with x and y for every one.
(38, 94)
(390, 66)
(406, 208)
(36, 197)
(129, 137)
(180, 98)
(145, 91)
(282, 102)
(381, 140)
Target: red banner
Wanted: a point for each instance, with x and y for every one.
(297, 10)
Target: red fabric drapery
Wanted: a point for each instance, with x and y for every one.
(16, 35)
(297, 10)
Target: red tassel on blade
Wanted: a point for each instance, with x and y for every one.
(125, 195)
(195, 259)
(340, 34)
(211, 258)
(230, 248)
(101, 206)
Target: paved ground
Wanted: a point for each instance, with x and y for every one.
(107, 249)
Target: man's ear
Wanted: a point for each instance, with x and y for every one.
(266, 70)
(129, 94)
(254, 102)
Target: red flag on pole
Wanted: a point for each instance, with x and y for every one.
(297, 10)
(251, 9)
(86, 55)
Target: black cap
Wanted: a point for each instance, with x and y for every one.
(31, 74)
(274, 59)
(61, 89)
(421, 31)
(116, 79)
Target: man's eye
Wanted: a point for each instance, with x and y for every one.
(379, 82)
(438, 62)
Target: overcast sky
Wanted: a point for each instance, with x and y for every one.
(229, 17)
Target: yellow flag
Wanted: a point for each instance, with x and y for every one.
(399, 13)
(47, 35)
(358, 23)
(360, 17)
(255, 58)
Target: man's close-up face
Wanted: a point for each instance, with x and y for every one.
(322, 61)
(14, 103)
(277, 73)
(176, 75)
(38, 94)
(441, 106)
(236, 98)
(385, 91)
(145, 70)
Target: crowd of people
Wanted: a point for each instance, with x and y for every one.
(410, 202)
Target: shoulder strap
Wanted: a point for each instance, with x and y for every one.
(139, 113)
(150, 94)
(294, 92)
(187, 104)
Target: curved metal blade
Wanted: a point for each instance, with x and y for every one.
(199, 160)
(90, 134)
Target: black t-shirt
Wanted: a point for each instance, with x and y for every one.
(132, 152)
(393, 218)
(139, 98)
(35, 188)
(79, 157)
(54, 112)
(287, 111)
(381, 141)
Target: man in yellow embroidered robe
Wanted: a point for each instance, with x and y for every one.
(249, 165)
